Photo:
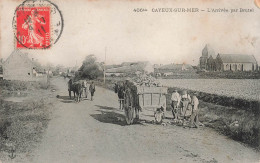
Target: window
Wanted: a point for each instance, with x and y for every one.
(227, 66)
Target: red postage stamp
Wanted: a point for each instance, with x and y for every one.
(33, 27)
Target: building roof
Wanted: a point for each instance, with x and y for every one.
(129, 68)
(24, 56)
(208, 51)
(237, 58)
(123, 69)
(176, 67)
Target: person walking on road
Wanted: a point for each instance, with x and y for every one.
(176, 98)
(194, 120)
(70, 87)
(92, 90)
(85, 88)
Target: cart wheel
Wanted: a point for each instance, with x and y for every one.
(129, 115)
(132, 116)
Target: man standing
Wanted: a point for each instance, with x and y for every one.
(194, 120)
(185, 101)
(176, 98)
(85, 88)
(92, 90)
(70, 87)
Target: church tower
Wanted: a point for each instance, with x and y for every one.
(206, 53)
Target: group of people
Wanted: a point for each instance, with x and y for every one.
(180, 105)
(84, 88)
(91, 88)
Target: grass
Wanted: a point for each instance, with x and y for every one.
(236, 118)
(22, 123)
(239, 124)
(230, 75)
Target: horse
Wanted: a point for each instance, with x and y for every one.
(130, 105)
(77, 89)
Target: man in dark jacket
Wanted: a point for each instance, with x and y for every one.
(70, 87)
(92, 90)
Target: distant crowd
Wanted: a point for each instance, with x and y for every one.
(180, 106)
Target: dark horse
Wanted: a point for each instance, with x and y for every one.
(131, 106)
(131, 102)
(76, 88)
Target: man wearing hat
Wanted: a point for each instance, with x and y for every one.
(92, 90)
(85, 88)
(176, 98)
(194, 119)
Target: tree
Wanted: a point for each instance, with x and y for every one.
(90, 69)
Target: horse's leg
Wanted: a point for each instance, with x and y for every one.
(81, 95)
(137, 113)
(127, 116)
(77, 97)
(70, 93)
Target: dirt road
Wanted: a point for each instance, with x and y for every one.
(95, 131)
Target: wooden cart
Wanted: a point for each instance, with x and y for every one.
(153, 99)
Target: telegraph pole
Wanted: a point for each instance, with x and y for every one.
(105, 65)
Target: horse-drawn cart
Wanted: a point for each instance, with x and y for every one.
(144, 98)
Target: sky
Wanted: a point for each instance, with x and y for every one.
(91, 26)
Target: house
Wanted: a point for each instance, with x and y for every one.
(236, 62)
(226, 62)
(18, 66)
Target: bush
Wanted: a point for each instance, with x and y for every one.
(90, 69)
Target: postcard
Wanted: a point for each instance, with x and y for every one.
(129, 81)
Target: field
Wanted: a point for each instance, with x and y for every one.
(239, 88)
(25, 109)
(221, 108)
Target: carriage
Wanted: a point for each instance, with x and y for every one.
(145, 98)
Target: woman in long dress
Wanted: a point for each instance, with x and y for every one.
(30, 24)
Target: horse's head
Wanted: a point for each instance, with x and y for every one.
(116, 87)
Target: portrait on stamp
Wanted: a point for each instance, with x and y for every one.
(33, 27)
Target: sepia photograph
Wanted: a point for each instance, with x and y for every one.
(129, 81)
